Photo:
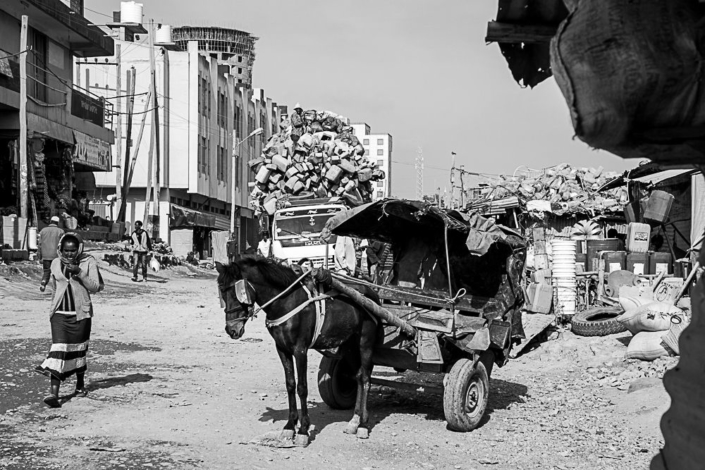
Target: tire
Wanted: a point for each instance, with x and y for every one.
(598, 321)
(337, 384)
(465, 395)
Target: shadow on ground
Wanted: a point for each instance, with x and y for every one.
(384, 402)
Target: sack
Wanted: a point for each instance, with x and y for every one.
(629, 66)
(646, 346)
(655, 316)
(631, 303)
(155, 264)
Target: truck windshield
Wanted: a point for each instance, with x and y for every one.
(300, 224)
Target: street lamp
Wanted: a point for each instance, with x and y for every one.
(257, 131)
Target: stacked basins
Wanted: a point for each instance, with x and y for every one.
(564, 284)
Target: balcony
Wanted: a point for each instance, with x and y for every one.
(63, 24)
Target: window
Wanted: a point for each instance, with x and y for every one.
(365, 141)
(237, 123)
(380, 163)
(36, 65)
(380, 151)
(380, 184)
(380, 141)
(380, 194)
(367, 152)
(239, 70)
(236, 162)
(239, 58)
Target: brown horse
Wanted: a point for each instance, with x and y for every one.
(348, 327)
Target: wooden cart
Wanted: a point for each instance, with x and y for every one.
(427, 330)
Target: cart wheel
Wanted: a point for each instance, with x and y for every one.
(465, 395)
(337, 384)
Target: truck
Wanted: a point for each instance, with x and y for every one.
(296, 231)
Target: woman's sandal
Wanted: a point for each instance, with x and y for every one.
(52, 401)
(80, 392)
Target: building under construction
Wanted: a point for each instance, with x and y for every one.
(232, 48)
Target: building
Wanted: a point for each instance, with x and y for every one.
(203, 112)
(68, 128)
(378, 147)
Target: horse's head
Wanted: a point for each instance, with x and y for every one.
(238, 295)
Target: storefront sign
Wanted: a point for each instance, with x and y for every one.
(87, 107)
(92, 152)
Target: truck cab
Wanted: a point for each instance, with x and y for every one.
(296, 231)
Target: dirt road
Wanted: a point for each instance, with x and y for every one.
(169, 389)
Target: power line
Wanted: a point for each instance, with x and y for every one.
(98, 12)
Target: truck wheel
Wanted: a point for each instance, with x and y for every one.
(598, 321)
(337, 383)
(465, 395)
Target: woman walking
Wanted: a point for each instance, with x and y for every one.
(74, 276)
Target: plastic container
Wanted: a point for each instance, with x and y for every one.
(131, 12)
(658, 207)
(163, 35)
(660, 263)
(638, 237)
(540, 298)
(32, 238)
(638, 263)
(615, 261)
(594, 247)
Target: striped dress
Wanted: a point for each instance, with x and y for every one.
(69, 339)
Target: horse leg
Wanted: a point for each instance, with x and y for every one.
(367, 341)
(354, 423)
(288, 363)
(301, 368)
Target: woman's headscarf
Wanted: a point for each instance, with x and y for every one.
(79, 242)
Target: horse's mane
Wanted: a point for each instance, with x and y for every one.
(274, 273)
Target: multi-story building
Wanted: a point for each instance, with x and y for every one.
(378, 148)
(68, 129)
(204, 110)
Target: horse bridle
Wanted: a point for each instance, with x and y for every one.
(243, 297)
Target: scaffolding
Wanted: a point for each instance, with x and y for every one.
(233, 47)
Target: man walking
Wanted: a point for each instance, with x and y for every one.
(141, 246)
(49, 238)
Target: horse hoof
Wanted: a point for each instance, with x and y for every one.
(301, 440)
(351, 428)
(286, 435)
(363, 433)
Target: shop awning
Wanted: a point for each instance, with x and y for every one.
(183, 217)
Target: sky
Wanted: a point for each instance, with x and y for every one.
(419, 70)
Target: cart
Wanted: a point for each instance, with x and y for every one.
(455, 331)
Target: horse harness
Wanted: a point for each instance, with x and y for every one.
(242, 292)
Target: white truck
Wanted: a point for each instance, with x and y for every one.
(296, 231)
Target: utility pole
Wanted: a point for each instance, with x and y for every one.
(131, 77)
(150, 158)
(157, 166)
(118, 131)
(23, 119)
(452, 180)
(130, 169)
(419, 173)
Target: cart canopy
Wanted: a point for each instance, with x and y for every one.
(486, 259)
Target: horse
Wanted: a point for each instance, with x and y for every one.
(347, 326)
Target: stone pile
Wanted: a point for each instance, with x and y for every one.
(316, 155)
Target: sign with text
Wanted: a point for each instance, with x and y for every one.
(87, 107)
(92, 152)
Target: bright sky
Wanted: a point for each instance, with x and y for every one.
(416, 69)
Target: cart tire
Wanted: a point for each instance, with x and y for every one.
(465, 395)
(337, 384)
(599, 321)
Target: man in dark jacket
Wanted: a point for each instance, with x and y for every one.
(49, 238)
(141, 246)
(374, 254)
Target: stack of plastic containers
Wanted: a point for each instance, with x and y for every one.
(564, 282)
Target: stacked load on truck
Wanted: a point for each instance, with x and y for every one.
(316, 155)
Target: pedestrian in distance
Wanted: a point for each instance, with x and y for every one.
(74, 277)
(374, 251)
(141, 246)
(49, 238)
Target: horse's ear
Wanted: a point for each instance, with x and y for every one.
(219, 267)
